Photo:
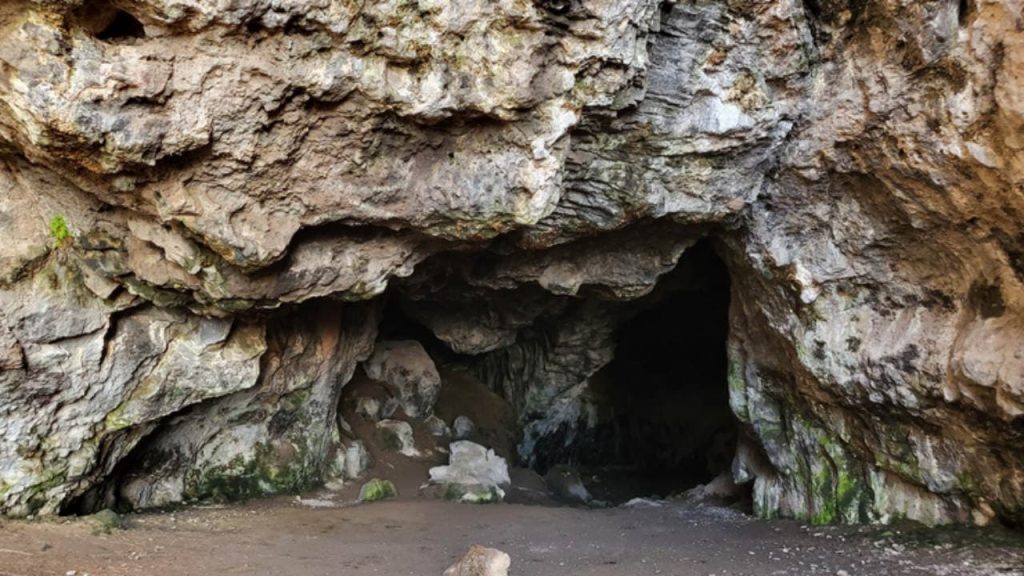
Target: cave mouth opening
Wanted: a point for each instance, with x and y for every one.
(663, 401)
(653, 421)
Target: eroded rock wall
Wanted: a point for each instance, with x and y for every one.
(897, 234)
(196, 197)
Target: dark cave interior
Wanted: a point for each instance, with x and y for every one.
(664, 423)
(672, 422)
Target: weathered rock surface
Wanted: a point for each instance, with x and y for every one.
(565, 484)
(357, 460)
(473, 473)
(195, 197)
(481, 561)
(397, 435)
(405, 366)
(463, 427)
(376, 490)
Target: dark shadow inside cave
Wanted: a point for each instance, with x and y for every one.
(122, 26)
(396, 324)
(104, 20)
(664, 399)
(669, 378)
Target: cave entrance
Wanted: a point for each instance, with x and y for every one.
(653, 421)
(665, 399)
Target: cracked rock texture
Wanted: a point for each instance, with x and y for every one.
(201, 202)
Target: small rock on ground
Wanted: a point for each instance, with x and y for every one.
(481, 561)
(377, 489)
(463, 427)
(398, 436)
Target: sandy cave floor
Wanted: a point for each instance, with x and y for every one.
(415, 536)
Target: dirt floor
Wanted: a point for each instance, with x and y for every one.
(320, 535)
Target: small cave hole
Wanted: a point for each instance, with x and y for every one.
(106, 22)
(963, 12)
(812, 9)
(122, 27)
(396, 324)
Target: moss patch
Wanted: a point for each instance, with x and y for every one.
(59, 231)
(377, 489)
(243, 478)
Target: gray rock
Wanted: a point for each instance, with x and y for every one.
(530, 169)
(357, 459)
(397, 435)
(369, 408)
(405, 366)
(463, 427)
(105, 521)
(721, 488)
(376, 490)
(472, 493)
(390, 407)
(437, 427)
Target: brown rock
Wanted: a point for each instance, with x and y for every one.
(481, 561)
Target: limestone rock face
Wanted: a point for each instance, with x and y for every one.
(201, 204)
(405, 366)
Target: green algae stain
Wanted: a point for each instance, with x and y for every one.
(245, 478)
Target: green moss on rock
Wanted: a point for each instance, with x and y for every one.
(377, 489)
(263, 474)
(59, 231)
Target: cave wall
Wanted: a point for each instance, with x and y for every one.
(195, 198)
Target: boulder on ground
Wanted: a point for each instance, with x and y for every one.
(437, 427)
(565, 484)
(357, 460)
(106, 520)
(397, 436)
(368, 407)
(391, 405)
(463, 427)
(405, 366)
(481, 561)
(474, 473)
(722, 488)
(377, 489)
(472, 493)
